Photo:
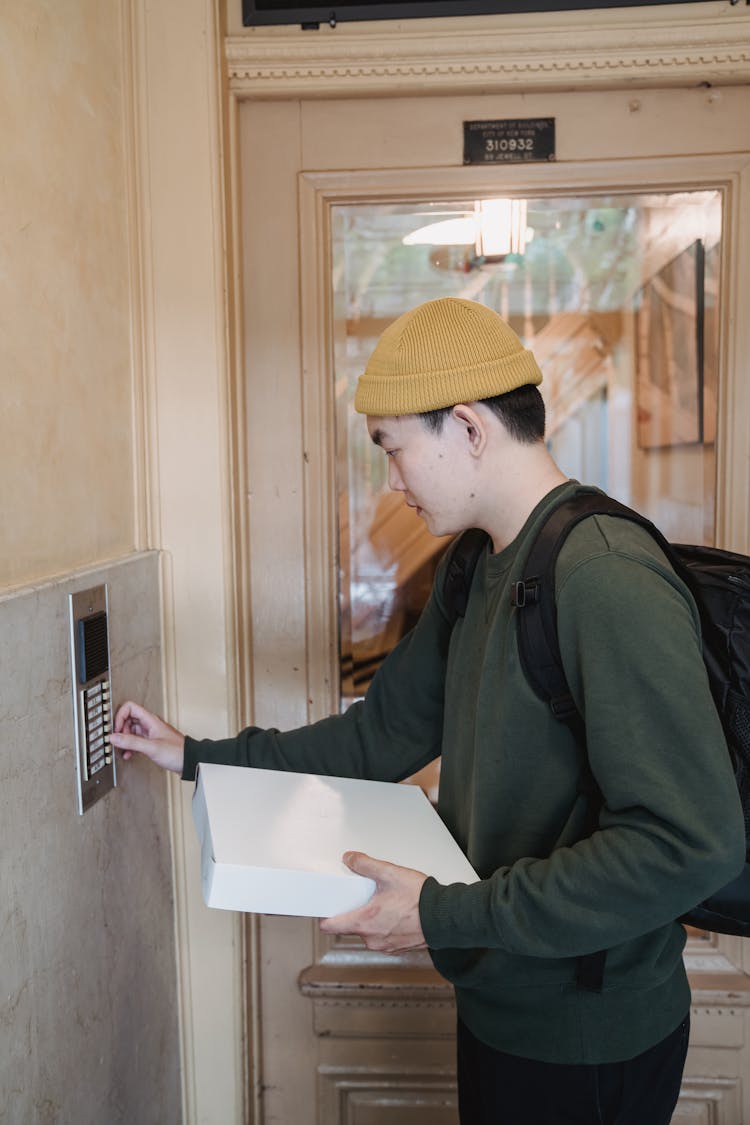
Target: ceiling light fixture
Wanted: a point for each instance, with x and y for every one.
(496, 228)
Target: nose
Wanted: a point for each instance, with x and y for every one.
(395, 482)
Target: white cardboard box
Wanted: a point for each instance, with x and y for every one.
(272, 842)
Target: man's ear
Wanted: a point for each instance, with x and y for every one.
(473, 427)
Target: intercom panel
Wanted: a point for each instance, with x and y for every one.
(92, 695)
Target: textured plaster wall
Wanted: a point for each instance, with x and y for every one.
(66, 449)
(88, 1011)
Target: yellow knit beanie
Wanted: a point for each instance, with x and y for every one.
(440, 353)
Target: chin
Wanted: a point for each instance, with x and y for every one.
(440, 530)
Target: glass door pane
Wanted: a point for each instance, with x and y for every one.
(617, 296)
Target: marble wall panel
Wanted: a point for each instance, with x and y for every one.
(88, 1003)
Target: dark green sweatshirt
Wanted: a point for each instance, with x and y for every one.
(670, 832)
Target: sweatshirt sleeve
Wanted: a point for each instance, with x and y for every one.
(671, 829)
(387, 736)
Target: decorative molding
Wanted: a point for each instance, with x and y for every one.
(708, 1101)
(351, 1094)
(711, 953)
(716, 988)
(319, 429)
(210, 951)
(382, 1020)
(708, 963)
(363, 1001)
(379, 983)
(686, 45)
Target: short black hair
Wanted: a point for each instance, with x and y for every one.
(521, 411)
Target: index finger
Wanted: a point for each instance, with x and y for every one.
(128, 711)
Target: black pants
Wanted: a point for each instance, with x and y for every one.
(499, 1089)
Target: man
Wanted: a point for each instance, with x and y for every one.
(452, 399)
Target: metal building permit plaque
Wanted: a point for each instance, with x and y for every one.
(513, 141)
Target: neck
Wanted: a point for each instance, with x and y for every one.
(523, 481)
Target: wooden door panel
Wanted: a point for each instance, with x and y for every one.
(387, 1099)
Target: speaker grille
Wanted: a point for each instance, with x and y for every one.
(92, 646)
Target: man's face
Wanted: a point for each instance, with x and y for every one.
(432, 470)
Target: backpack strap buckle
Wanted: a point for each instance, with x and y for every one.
(563, 706)
(524, 592)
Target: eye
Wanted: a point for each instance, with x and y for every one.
(390, 452)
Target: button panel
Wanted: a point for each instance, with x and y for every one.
(92, 695)
(97, 719)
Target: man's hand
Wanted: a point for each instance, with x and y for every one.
(389, 922)
(136, 730)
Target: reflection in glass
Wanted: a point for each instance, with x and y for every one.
(617, 296)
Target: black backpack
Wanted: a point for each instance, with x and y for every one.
(720, 584)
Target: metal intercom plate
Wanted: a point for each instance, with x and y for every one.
(92, 695)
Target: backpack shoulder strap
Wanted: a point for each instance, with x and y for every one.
(534, 599)
(463, 556)
(541, 661)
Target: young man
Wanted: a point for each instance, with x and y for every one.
(451, 398)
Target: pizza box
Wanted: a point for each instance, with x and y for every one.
(271, 842)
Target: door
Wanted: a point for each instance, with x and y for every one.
(628, 242)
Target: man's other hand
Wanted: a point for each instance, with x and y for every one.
(389, 922)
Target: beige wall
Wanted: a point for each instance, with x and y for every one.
(88, 1002)
(66, 459)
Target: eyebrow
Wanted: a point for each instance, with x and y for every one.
(379, 436)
